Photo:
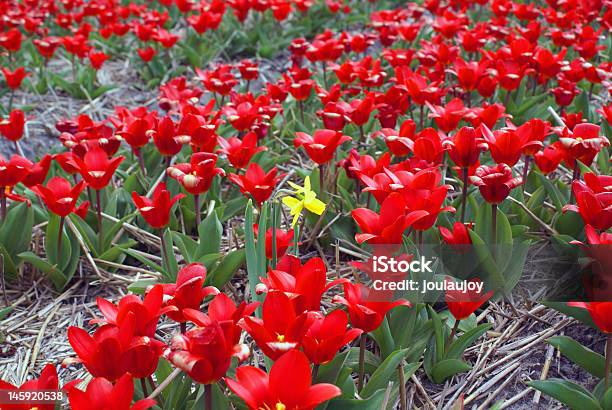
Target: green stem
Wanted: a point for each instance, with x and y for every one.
(99, 210)
(208, 399)
(60, 237)
(608, 360)
(362, 349)
(196, 201)
(464, 193)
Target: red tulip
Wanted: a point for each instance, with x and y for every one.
(593, 200)
(146, 54)
(284, 239)
(38, 172)
(365, 314)
(388, 226)
(357, 165)
(13, 171)
(335, 115)
(287, 387)
(166, 139)
(112, 350)
(280, 328)
(239, 152)
(59, 196)
(459, 235)
(424, 193)
(249, 70)
(156, 210)
(204, 352)
(322, 145)
(196, 176)
(201, 131)
(305, 285)
(601, 313)
(102, 394)
(223, 309)
(11, 40)
(327, 335)
(46, 381)
(462, 305)
(256, 182)
(428, 146)
(507, 145)
(146, 312)
(12, 127)
(495, 183)
(465, 147)
(549, 158)
(582, 143)
(14, 78)
(96, 168)
(447, 118)
(97, 59)
(187, 292)
(242, 116)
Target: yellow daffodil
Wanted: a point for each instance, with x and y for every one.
(305, 198)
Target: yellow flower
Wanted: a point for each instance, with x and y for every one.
(306, 198)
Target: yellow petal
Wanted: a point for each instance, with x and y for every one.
(314, 205)
(307, 184)
(295, 186)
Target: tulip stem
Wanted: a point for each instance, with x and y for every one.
(575, 177)
(453, 332)
(143, 385)
(208, 398)
(402, 386)
(362, 348)
(525, 171)
(196, 202)
(11, 97)
(301, 104)
(3, 203)
(464, 193)
(183, 326)
(165, 261)
(315, 373)
(608, 360)
(99, 209)
(60, 236)
(494, 223)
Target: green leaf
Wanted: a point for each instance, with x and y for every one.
(456, 349)
(140, 286)
(448, 368)
(16, 231)
(168, 257)
(374, 402)
(209, 231)
(584, 357)
(380, 378)
(55, 275)
(553, 192)
(226, 269)
(568, 393)
(577, 313)
(61, 258)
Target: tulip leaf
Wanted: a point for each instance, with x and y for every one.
(255, 251)
(226, 269)
(142, 258)
(186, 246)
(384, 339)
(380, 378)
(568, 393)
(109, 234)
(457, 347)
(140, 286)
(89, 235)
(9, 266)
(584, 357)
(606, 400)
(330, 371)
(444, 369)
(553, 192)
(52, 272)
(113, 253)
(374, 402)
(209, 232)
(439, 334)
(371, 361)
(56, 256)
(577, 313)
(168, 257)
(16, 230)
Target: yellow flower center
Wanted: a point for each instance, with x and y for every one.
(280, 338)
(280, 406)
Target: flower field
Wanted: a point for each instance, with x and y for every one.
(300, 204)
